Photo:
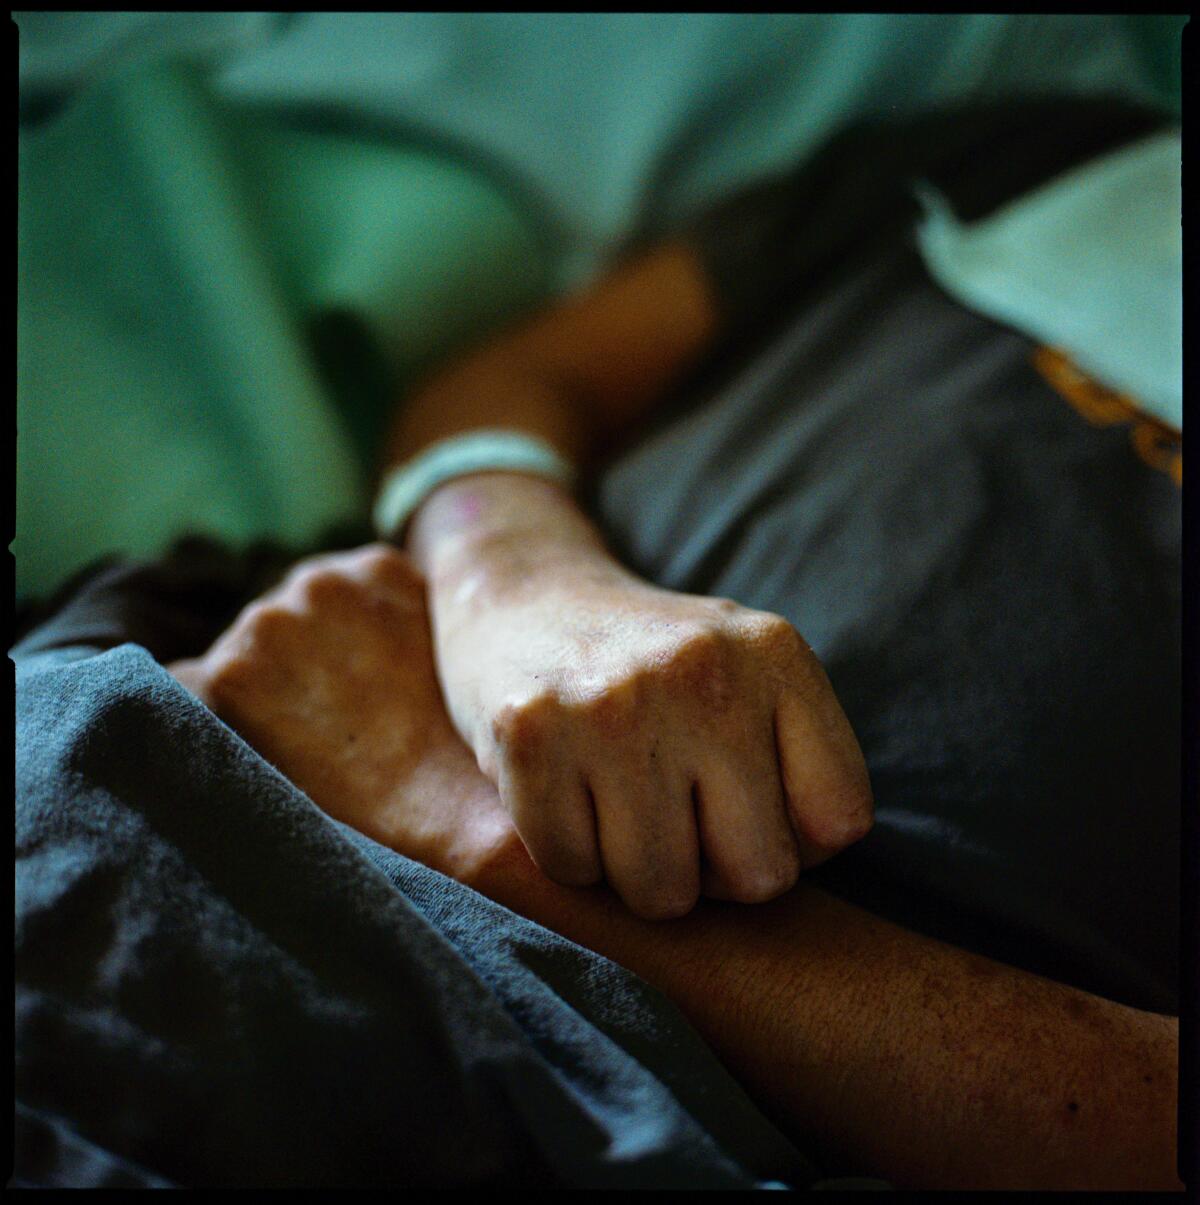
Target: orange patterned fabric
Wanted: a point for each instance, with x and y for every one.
(1157, 443)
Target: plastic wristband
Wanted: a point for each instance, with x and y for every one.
(407, 486)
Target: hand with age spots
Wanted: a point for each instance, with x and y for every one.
(330, 677)
(668, 734)
(833, 1020)
(666, 743)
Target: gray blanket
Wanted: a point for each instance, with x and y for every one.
(219, 985)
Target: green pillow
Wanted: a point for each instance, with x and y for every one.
(1090, 263)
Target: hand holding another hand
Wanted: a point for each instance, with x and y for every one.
(330, 677)
(670, 744)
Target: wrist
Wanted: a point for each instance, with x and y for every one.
(497, 530)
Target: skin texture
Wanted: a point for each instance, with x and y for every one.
(663, 742)
(576, 693)
(668, 744)
(908, 1058)
(329, 677)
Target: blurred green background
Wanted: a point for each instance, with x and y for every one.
(241, 234)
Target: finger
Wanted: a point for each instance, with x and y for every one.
(648, 842)
(383, 566)
(824, 775)
(712, 885)
(354, 575)
(746, 835)
(551, 807)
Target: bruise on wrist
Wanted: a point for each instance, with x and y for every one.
(477, 505)
(497, 527)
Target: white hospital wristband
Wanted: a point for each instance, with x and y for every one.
(406, 487)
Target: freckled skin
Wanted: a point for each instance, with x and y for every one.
(931, 1066)
(818, 1008)
(712, 753)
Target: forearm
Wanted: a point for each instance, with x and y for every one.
(495, 528)
(937, 1068)
(583, 374)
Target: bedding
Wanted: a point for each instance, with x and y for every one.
(1118, 311)
(990, 578)
(220, 310)
(694, 105)
(218, 985)
(988, 569)
(241, 235)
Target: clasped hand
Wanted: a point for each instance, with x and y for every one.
(668, 744)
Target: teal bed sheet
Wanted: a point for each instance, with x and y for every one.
(206, 196)
(173, 258)
(1091, 263)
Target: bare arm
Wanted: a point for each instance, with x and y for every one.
(667, 744)
(584, 373)
(930, 1066)
(934, 1067)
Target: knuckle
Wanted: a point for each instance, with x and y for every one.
(575, 873)
(303, 569)
(568, 867)
(232, 677)
(766, 882)
(327, 587)
(703, 648)
(264, 622)
(317, 581)
(665, 889)
(520, 726)
(263, 638)
(566, 858)
(379, 557)
(775, 637)
(863, 824)
(726, 608)
(850, 817)
(864, 798)
(860, 812)
(700, 670)
(613, 711)
(504, 725)
(776, 879)
(388, 565)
